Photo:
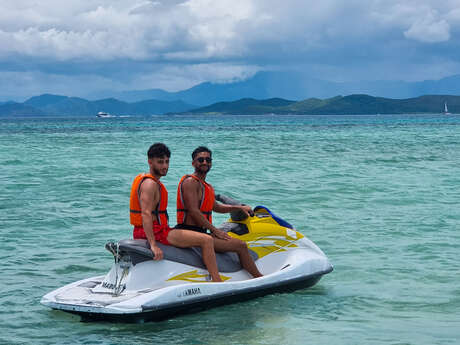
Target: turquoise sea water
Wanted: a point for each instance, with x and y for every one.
(379, 194)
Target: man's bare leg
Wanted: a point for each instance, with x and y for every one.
(186, 238)
(241, 248)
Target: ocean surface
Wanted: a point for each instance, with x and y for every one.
(380, 195)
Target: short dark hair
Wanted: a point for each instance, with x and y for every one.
(158, 150)
(200, 149)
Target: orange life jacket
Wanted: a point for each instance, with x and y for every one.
(135, 211)
(206, 203)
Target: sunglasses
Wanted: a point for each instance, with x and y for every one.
(202, 159)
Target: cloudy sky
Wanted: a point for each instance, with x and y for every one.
(77, 47)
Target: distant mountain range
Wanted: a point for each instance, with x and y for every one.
(290, 85)
(348, 105)
(55, 105)
(262, 86)
(18, 109)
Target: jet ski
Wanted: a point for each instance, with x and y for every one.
(139, 289)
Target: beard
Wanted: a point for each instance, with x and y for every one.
(159, 172)
(203, 169)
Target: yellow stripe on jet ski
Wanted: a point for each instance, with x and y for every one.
(266, 236)
(195, 277)
(264, 245)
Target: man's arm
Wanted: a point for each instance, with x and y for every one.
(149, 198)
(190, 193)
(224, 208)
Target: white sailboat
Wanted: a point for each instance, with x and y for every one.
(446, 111)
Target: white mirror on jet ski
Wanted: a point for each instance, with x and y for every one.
(138, 289)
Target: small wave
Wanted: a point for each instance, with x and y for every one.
(73, 268)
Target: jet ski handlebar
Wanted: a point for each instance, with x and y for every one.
(227, 200)
(235, 215)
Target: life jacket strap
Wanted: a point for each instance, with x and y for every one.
(185, 210)
(153, 212)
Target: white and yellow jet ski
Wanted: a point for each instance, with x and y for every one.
(138, 289)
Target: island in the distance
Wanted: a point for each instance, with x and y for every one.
(339, 105)
(53, 105)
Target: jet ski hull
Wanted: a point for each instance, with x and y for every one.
(139, 289)
(201, 304)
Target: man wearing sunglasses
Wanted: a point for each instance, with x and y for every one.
(196, 202)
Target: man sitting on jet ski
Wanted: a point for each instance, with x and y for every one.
(148, 214)
(195, 203)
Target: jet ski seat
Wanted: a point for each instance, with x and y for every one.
(139, 251)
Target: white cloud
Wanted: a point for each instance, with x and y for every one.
(205, 29)
(136, 30)
(429, 30)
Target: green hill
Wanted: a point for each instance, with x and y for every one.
(339, 105)
(245, 106)
(55, 105)
(19, 109)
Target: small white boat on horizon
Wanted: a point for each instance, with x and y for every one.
(104, 114)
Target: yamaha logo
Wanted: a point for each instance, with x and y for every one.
(190, 292)
(112, 286)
